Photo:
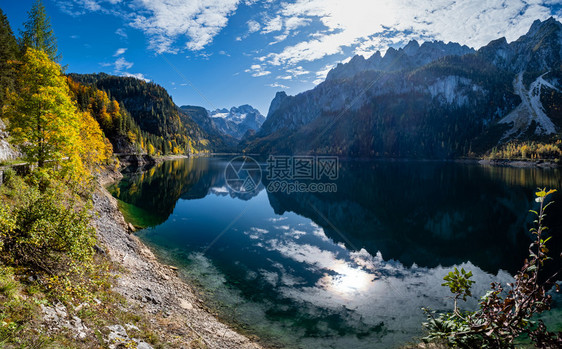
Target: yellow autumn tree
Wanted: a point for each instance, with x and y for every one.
(151, 150)
(45, 123)
(94, 148)
(43, 119)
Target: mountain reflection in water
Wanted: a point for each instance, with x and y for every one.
(337, 269)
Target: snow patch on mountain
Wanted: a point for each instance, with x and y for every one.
(530, 109)
(238, 120)
(217, 114)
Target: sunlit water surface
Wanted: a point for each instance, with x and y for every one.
(350, 269)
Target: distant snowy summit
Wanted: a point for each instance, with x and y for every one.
(237, 121)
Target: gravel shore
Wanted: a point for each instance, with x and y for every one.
(180, 316)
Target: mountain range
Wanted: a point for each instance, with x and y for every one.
(231, 124)
(433, 100)
(237, 121)
(187, 128)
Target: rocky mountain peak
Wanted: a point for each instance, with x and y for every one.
(280, 97)
(540, 49)
(410, 56)
(411, 48)
(539, 25)
(237, 121)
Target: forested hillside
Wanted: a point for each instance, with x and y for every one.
(116, 122)
(165, 127)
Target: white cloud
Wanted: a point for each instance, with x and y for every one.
(261, 73)
(119, 52)
(366, 25)
(137, 75)
(323, 73)
(297, 71)
(166, 22)
(293, 23)
(309, 50)
(273, 24)
(91, 5)
(327, 27)
(279, 219)
(121, 64)
(277, 85)
(121, 32)
(253, 26)
(257, 70)
(278, 38)
(381, 43)
(81, 7)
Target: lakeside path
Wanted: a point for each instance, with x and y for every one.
(180, 317)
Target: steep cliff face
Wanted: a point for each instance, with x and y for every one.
(534, 60)
(435, 100)
(6, 150)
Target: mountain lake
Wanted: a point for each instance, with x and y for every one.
(348, 268)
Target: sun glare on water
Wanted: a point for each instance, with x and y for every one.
(349, 280)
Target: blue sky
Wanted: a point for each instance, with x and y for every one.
(223, 53)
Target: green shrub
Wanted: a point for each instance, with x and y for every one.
(45, 229)
(9, 173)
(8, 286)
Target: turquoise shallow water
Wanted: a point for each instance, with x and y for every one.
(347, 268)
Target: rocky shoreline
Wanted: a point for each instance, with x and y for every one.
(519, 163)
(181, 318)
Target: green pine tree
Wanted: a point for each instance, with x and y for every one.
(8, 52)
(38, 33)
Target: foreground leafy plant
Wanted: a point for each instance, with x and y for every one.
(503, 315)
(44, 230)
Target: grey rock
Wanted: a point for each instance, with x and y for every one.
(57, 318)
(7, 152)
(142, 345)
(132, 327)
(117, 336)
